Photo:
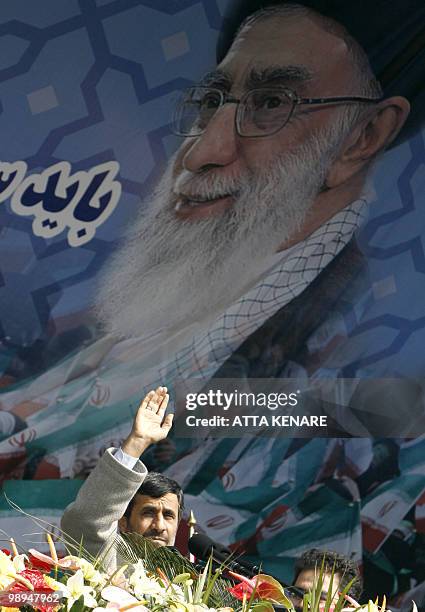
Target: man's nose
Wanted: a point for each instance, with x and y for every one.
(217, 146)
(159, 522)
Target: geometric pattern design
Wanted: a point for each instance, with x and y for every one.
(109, 98)
(175, 45)
(42, 100)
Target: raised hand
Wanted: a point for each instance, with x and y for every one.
(149, 425)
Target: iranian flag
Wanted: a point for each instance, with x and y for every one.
(219, 521)
(325, 518)
(88, 398)
(30, 508)
(268, 469)
(383, 509)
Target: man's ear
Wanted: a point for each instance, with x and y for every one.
(372, 136)
(123, 524)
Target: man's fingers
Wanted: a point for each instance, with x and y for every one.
(147, 399)
(153, 399)
(163, 405)
(156, 401)
(168, 421)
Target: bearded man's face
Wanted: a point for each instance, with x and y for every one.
(294, 52)
(226, 204)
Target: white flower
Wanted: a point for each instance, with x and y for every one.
(19, 562)
(139, 571)
(175, 591)
(119, 598)
(7, 571)
(94, 577)
(189, 607)
(143, 585)
(75, 587)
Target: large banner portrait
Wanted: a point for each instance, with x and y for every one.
(223, 197)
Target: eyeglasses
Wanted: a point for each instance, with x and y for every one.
(260, 112)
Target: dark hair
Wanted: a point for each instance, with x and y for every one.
(332, 561)
(156, 485)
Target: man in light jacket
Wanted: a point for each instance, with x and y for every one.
(120, 495)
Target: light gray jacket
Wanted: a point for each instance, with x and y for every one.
(102, 500)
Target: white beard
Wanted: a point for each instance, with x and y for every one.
(170, 273)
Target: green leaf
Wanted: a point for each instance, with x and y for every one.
(341, 603)
(78, 606)
(130, 547)
(262, 606)
(316, 592)
(197, 596)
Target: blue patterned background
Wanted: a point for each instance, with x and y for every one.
(94, 81)
(88, 82)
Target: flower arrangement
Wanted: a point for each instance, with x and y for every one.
(41, 582)
(36, 581)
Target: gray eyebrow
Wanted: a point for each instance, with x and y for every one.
(272, 75)
(275, 75)
(217, 78)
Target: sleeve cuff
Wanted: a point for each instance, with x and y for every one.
(136, 474)
(127, 460)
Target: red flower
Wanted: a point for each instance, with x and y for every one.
(241, 589)
(36, 578)
(262, 587)
(67, 562)
(38, 564)
(6, 552)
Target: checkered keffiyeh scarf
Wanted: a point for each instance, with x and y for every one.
(292, 272)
